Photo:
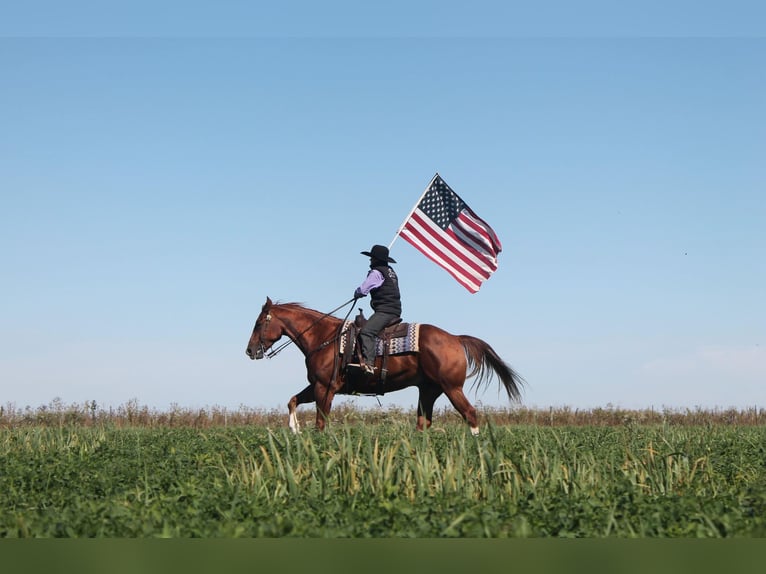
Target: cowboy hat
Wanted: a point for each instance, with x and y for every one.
(379, 252)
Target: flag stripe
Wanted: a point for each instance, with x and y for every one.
(484, 227)
(471, 242)
(487, 263)
(482, 231)
(469, 235)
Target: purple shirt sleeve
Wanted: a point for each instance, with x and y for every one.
(373, 281)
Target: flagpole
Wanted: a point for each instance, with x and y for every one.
(406, 219)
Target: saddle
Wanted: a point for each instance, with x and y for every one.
(352, 351)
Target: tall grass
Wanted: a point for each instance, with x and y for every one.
(384, 479)
(133, 414)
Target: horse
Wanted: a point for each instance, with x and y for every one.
(440, 365)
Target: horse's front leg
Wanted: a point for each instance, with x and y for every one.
(305, 396)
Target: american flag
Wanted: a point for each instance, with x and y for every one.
(449, 233)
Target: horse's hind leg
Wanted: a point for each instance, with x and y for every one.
(305, 396)
(429, 392)
(465, 408)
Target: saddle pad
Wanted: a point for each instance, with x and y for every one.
(406, 344)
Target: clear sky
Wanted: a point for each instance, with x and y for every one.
(161, 176)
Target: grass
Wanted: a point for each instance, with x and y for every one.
(133, 414)
(131, 472)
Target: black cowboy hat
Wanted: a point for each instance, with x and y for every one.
(379, 252)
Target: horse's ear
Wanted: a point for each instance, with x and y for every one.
(268, 304)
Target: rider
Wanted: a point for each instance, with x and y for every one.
(382, 285)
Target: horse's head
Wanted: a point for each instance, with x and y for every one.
(267, 331)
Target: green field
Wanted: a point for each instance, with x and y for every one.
(108, 477)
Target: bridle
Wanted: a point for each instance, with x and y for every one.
(261, 348)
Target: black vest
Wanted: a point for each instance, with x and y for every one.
(387, 298)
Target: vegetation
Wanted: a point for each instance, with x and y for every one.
(79, 471)
(133, 414)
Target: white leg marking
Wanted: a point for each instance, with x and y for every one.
(293, 422)
(475, 431)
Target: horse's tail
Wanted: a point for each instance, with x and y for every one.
(484, 361)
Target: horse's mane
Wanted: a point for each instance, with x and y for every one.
(291, 304)
(302, 306)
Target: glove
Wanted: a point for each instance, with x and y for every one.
(358, 294)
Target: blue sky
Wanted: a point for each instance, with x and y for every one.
(161, 177)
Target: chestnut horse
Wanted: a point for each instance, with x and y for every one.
(440, 366)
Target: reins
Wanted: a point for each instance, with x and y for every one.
(290, 340)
